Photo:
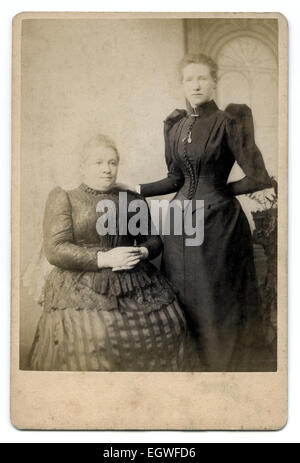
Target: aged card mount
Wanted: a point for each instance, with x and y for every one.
(77, 74)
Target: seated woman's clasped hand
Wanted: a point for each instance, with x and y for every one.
(122, 258)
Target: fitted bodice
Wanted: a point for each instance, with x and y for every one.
(200, 153)
(218, 139)
(71, 236)
(72, 244)
(84, 202)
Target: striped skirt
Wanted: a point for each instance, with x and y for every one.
(115, 340)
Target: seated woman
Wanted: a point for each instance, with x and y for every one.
(105, 306)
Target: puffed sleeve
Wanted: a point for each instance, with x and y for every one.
(59, 244)
(241, 143)
(175, 178)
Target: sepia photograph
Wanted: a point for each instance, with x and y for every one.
(148, 188)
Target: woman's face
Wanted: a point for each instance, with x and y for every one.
(100, 168)
(198, 85)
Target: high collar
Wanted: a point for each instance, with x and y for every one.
(94, 192)
(205, 109)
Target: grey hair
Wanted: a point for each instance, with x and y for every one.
(94, 142)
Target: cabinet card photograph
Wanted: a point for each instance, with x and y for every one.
(149, 198)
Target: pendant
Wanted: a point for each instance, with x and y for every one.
(189, 138)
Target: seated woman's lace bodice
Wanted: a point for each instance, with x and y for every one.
(71, 244)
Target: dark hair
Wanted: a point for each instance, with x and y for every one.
(199, 58)
(94, 142)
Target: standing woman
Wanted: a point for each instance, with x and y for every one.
(216, 281)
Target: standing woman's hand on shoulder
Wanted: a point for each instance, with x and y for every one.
(130, 187)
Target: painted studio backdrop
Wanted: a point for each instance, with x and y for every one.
(119, 77)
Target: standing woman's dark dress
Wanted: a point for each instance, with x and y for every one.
(216, 281)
